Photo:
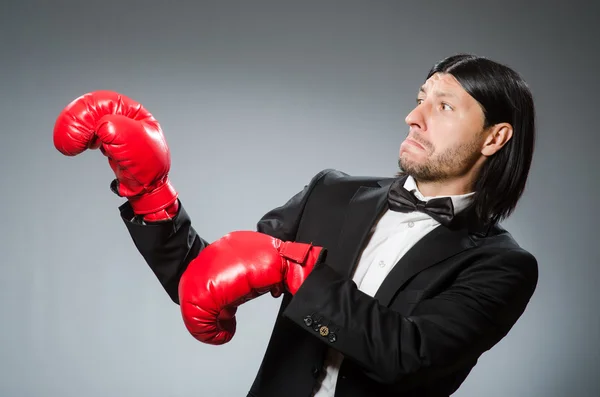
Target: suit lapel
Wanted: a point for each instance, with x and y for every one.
(439, 244)
(363, 211)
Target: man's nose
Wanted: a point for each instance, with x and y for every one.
(416, 117)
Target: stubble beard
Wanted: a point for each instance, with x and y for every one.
(452, 162)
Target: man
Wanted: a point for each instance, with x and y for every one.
(391, 286)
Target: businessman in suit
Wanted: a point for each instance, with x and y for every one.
(390, 286)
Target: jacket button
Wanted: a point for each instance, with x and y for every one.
(332, 337)
(324, 331)
(308, 321)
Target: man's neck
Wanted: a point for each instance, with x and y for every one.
(444, 188)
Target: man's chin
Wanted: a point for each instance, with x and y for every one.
(406, 166)
(404, 169)
(416, 171)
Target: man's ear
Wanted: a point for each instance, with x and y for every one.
(496, 137)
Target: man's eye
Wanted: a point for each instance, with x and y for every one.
(445, 106)
(419, 100)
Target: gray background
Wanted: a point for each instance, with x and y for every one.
(255, 98)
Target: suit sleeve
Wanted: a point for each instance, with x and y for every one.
(443, 332)
(169, 247)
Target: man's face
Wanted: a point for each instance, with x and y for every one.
(445, 132)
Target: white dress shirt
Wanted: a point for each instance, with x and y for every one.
(392, 236)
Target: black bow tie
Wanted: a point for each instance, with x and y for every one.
(401, 200)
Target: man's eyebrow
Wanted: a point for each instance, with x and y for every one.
(437, 93)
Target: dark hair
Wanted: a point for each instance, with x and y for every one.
(504, 97)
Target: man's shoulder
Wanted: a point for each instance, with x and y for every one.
(501, 243)
(332, 188)
(333, 177)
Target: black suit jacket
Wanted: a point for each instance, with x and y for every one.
(452, 297)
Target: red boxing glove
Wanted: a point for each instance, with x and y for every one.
(234, 269)
(131, 139)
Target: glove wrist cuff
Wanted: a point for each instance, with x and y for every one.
(302, 253)
(297, 252)
(159, 199)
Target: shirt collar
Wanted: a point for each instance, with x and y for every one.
(460, 201)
